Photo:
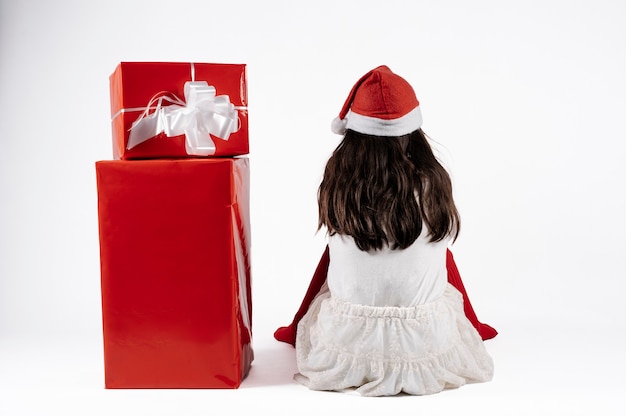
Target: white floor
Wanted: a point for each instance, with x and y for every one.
(542, 368)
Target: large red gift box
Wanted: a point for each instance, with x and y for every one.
(176, 109)
(175, 272)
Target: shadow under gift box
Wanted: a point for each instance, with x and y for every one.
(135, 85)
(175, 272)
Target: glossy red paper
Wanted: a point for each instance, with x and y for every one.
(175, 272)
(134, 84)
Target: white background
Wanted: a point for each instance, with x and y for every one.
(526, 101)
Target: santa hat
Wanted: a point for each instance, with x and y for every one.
(381, 103)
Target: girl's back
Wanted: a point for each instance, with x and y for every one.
(402, 277)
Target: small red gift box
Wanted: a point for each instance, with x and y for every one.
(175, 109)
(175, 272)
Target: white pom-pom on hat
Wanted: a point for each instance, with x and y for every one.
(338, 126)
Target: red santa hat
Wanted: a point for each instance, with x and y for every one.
(381, 103)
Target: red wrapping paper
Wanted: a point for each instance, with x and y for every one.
(134, 84)
(175, 272)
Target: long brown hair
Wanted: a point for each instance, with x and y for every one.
(381, 190)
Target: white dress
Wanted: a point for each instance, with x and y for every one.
(388, 322)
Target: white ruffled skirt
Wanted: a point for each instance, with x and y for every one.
(382, 351)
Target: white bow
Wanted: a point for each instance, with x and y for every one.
(201, 115)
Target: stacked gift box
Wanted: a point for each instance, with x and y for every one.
(174, 226)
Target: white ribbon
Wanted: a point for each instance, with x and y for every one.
(201, 115)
